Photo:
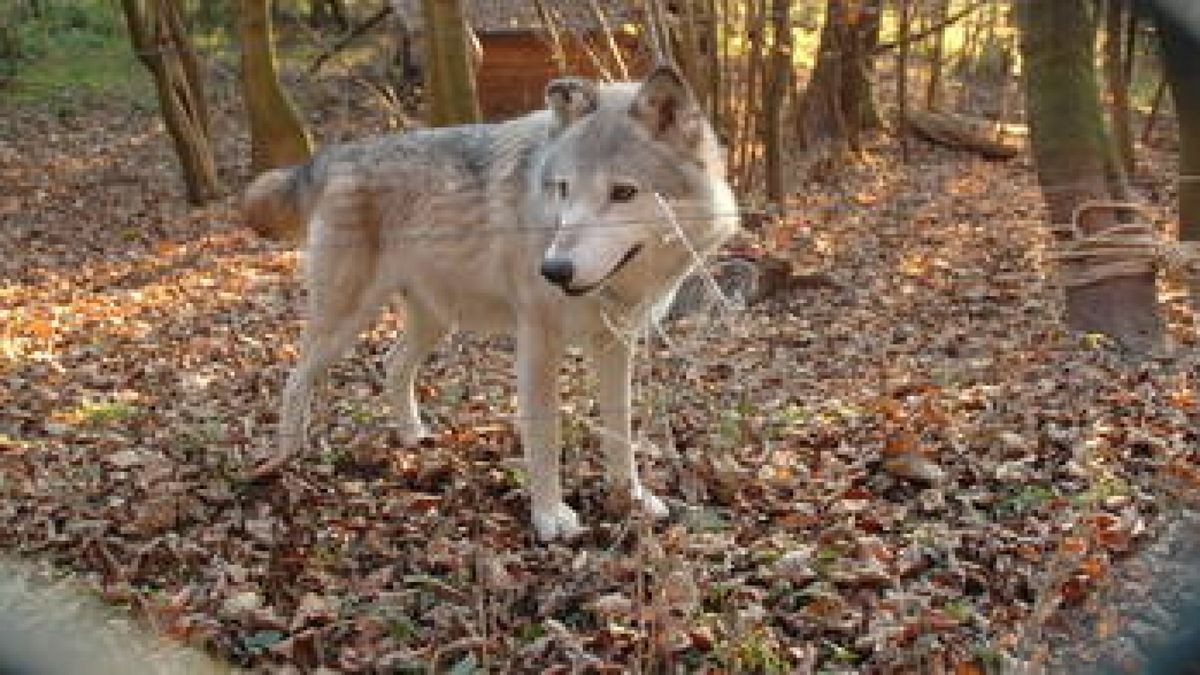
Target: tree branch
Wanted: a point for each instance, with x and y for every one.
(353, 35)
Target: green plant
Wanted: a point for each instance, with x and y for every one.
(96, 413)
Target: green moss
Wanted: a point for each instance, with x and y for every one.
(72, 54)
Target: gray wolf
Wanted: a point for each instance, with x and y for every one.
(549, 227)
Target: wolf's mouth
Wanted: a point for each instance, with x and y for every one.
(629, 255)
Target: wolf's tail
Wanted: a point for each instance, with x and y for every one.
(276, 204)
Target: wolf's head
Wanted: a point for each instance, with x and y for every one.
(616, 151)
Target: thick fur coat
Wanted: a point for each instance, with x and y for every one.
(551, 227)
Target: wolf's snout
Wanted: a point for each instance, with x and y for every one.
(558, 271)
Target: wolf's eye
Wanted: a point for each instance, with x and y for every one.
(559, 187)
(622, 193)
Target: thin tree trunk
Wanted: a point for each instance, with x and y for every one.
(776, 95)
(934, 88)
(1177, 22)
(1160, 93)
(450, 73)
(160, 43)
(730, 80)
(746, 149)
(713, 35)
(1118, 86)
(277, 135)
(577, 35)
(687, 49)
(902, 76)
(610, 39)
(191, 67)
(1071, 150)
(557, 53)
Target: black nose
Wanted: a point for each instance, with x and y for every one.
(558, 271)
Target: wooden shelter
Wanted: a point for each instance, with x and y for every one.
(519, 49)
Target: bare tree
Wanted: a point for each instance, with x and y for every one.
(1072, 151)
(159, 37)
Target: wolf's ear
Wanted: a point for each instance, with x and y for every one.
(570, 98)
(667, 108)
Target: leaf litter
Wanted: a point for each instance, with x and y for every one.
(907, 467)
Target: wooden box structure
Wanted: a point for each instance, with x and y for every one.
(518, 62)
(517, 50)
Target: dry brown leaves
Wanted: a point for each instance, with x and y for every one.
(908, 468)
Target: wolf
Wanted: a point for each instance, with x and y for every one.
(570, 226)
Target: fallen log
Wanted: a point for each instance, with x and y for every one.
(990, 139)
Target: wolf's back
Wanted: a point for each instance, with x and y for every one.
(276, 203)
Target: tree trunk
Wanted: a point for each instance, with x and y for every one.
(745, 127)
(1118, 86)
(449, 72)
(162, 45)
(713, 83)
(1071, 150)
(277, 135)
(776, 95)
(936, 55)
(838, 104)
(1177, 21)
(689, 48)
(903, 28)
(192, 67)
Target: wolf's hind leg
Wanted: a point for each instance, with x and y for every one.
(344, 296)
(422, 332)
(613, 363)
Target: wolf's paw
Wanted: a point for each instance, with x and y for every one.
(650, 504)
(412, 433)
(556, 522)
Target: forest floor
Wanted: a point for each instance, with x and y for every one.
(143, 346)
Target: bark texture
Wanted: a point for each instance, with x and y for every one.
(838, 104)
(1115, 74)
(450, 73)
(278, 137)
(1072, 153)
(778, 74)
(159, 37)
(1179, 26)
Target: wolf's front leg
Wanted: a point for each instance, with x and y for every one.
(614, 368)
(539, 349)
